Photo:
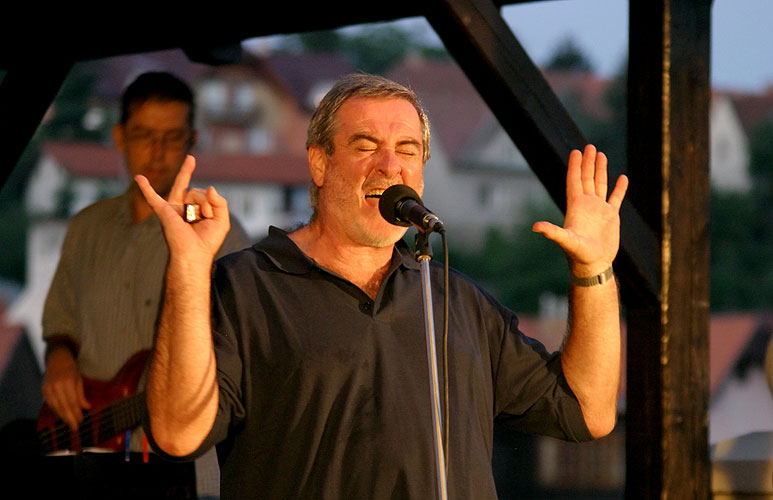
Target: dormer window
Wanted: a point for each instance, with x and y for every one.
(214, 97)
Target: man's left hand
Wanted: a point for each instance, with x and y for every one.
(590, 236)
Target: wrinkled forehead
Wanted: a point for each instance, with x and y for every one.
(382, 114)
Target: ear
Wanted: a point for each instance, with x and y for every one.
(118, 137)
(317, 164)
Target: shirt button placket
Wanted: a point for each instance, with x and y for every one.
(366, 307)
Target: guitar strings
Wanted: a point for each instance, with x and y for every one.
(111, 413)
(61, 432)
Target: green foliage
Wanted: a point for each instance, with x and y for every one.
(742, 234)
(13, 234)
(761, 162)
(519, 265)
(13, 223)
(741, 268)
(372, 48)
(67, 122)
(569, 56)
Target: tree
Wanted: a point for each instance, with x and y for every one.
(518, 266)
(742, 234)
(372, 48)
(569, 56)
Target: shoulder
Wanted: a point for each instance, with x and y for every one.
(462, 284)
(100, 210)
(236, 239)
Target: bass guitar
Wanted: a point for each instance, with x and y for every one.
(116, 407)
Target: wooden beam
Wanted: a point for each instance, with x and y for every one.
(668, 143)
(474, 32)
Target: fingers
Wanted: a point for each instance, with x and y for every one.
(588, 170)
(587, 173)
(67, 399)
(211, 204)
(218, 203)
(153, 198)
(182, 180)
(616, 198)
(549, 230)
(600, 175)
(574, 175)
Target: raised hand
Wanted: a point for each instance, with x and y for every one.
(590, 236)
(199, 241)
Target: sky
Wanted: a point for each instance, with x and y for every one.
(742, 36)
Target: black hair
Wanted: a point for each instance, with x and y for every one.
(158, 85)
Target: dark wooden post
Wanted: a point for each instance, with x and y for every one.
(668, 143)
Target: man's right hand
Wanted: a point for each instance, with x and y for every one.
(63, 387)
(197, 242)
(182, 393)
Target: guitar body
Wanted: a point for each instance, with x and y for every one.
(115, 407)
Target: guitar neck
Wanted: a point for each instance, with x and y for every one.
(98, 428)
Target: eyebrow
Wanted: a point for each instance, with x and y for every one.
(362, 136)
(357, 137)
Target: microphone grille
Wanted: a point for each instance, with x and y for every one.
(387, 205)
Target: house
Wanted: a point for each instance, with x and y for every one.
(729, 143)
(252, 117)
(475, 178)
(741, 407)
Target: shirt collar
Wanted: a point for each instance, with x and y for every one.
(286, 255)
(123, 214)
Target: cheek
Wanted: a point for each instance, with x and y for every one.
(175, 158)
(135, 159)
(414, 177)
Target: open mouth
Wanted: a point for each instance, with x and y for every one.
(376, 193)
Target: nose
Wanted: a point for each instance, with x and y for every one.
(389, 164)
(158, 146)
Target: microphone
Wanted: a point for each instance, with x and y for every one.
(400, 205)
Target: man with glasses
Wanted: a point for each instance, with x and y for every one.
(104, 301)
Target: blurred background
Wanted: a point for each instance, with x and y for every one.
(252, 117)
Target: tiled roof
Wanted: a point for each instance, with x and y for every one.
(753, 108)
(300, 73)
(454, 106)
(589, 89)
(729, 335)
(457, 111)
(98, 161)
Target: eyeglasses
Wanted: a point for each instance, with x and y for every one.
(172, 140)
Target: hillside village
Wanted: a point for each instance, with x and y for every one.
(252, 118)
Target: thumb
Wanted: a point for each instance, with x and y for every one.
(548, 229)
(160, 207)
(153, 198)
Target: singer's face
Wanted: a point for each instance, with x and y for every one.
(377, 143)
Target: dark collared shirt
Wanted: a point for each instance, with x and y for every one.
(324, 393)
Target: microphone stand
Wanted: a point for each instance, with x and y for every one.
(423, 254)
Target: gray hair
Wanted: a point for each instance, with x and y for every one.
(323, 121)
